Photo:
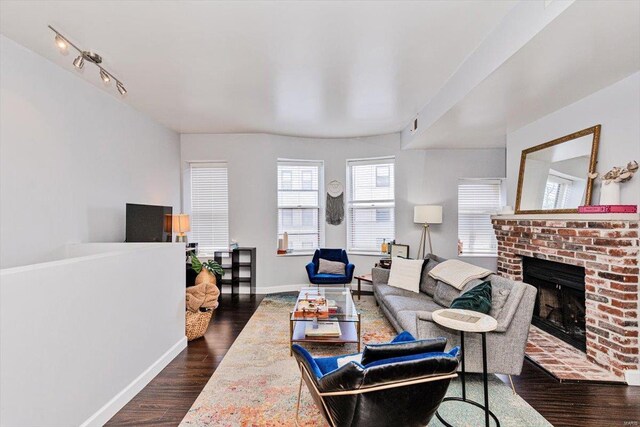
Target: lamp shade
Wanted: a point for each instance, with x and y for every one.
(181, 223)
(427, 214)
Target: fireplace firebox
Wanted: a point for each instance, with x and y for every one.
(560, 301)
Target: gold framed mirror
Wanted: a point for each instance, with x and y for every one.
(556, 177)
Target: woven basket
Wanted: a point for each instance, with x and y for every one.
(197, 323)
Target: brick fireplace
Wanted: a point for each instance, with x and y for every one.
(607, 246)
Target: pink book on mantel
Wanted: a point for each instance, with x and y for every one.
(608, 209)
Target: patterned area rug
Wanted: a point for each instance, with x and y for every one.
(256, 383)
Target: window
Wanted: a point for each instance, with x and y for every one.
(209, 207)
(478, 199)
(299, 203)
(370, 204)
(557, 192)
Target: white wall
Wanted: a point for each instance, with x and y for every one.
(422, 177)
(81, 336)
(71, 156)
(616, 108)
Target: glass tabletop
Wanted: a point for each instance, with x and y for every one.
(335, 304)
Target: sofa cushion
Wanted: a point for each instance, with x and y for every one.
(415, 302)
(407, 320)
(386, 290)
(500, 291)
(330, 279)
(477, 299)
(428, 283)
(445, 294)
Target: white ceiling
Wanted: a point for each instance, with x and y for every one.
(591, 45)
(321, 69)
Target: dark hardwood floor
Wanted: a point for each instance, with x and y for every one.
(168, 397)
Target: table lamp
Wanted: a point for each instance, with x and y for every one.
(180, 226)
(426, 215)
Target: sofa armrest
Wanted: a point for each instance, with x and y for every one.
(380, 276)
(350, 268)
(425, 316)
(310, 270)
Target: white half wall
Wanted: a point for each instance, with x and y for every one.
(71, 156)
(81, 336)
(422, 177)
(616, 108)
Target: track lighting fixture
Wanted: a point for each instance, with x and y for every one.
(84, 55)
(104, 76)
(78, 62)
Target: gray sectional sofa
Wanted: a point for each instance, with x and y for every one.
(512, 307)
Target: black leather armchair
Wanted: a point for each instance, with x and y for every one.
(397, 384)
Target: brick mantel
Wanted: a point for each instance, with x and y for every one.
(607, 246)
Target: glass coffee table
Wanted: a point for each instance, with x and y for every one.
(329, 310)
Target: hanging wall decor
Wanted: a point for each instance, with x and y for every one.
(335, 203)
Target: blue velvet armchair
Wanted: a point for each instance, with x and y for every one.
(401, 383)
(339, 255)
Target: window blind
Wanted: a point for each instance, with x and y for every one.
(477, 201)
(299, 203)
(209, 207)
(371, 204)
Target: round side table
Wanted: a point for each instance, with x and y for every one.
(472, 322)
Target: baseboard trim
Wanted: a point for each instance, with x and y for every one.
(290, 288)
(104, 414)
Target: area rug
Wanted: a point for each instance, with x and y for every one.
(256, 383)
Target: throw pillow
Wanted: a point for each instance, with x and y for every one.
(331, 267)
(475, 299)
(428, 283)
(374, 352)
(405, 274)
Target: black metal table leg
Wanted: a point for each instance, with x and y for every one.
(463, 371)
(485, 380)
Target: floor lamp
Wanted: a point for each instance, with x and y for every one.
(426, 215)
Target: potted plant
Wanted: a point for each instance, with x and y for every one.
(208, 271)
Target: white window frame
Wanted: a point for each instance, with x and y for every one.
(492, 251)
(388, 203)
(319, 207)
(203, 251)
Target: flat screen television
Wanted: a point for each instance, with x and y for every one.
(148, 223)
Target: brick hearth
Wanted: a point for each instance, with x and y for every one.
(607, 247)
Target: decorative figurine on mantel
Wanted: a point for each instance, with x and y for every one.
(610, 187)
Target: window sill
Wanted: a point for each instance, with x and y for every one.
(478, 256)
(375, 254)
(297, 254)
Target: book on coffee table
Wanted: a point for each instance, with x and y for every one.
(324, 329)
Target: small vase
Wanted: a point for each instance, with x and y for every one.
(610, 193)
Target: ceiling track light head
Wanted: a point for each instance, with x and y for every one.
(79, 62)
(121, 89)
(105, 76)
(61, 43)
